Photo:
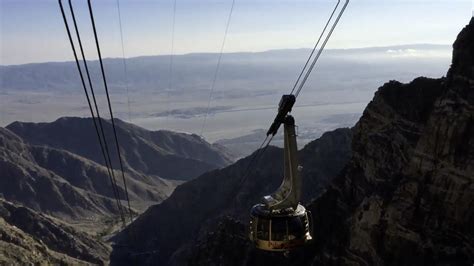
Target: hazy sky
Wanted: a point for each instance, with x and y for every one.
(33, 30)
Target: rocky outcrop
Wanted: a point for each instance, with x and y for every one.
(28, 237)
(166, 154)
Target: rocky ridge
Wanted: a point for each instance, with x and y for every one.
(166, 154)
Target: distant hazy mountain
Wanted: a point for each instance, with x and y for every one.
(165, 154)
(195, 70)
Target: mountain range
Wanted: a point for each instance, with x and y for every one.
(161, 153)
(196, 69)
(57, 167)
(56, 200)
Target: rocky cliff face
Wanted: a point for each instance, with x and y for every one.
(166, 154)
(406, 196)
(168, 230)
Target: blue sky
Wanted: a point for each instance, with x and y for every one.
(33, 31)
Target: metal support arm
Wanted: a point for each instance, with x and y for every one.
(289, 192)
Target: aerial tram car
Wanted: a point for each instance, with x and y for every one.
(280, 222)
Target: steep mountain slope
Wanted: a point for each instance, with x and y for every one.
(66, 185)
(198, 204)
(166, 154)
(28, 237)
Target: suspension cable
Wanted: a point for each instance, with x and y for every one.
(315, 46)
(217, 68)
(256, 158)
(248, 171)
(101, 127)
(322, 48)
(109, 172)
(106, 147)
(110, 106)
(170, 81)
(258, 154)
(125, 68)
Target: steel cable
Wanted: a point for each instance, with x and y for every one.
(89, 102)
(125, 68)
(260, 151)
(315, 46)
(109, 104)
(217, 68)
(322, 48)
(170, 68)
